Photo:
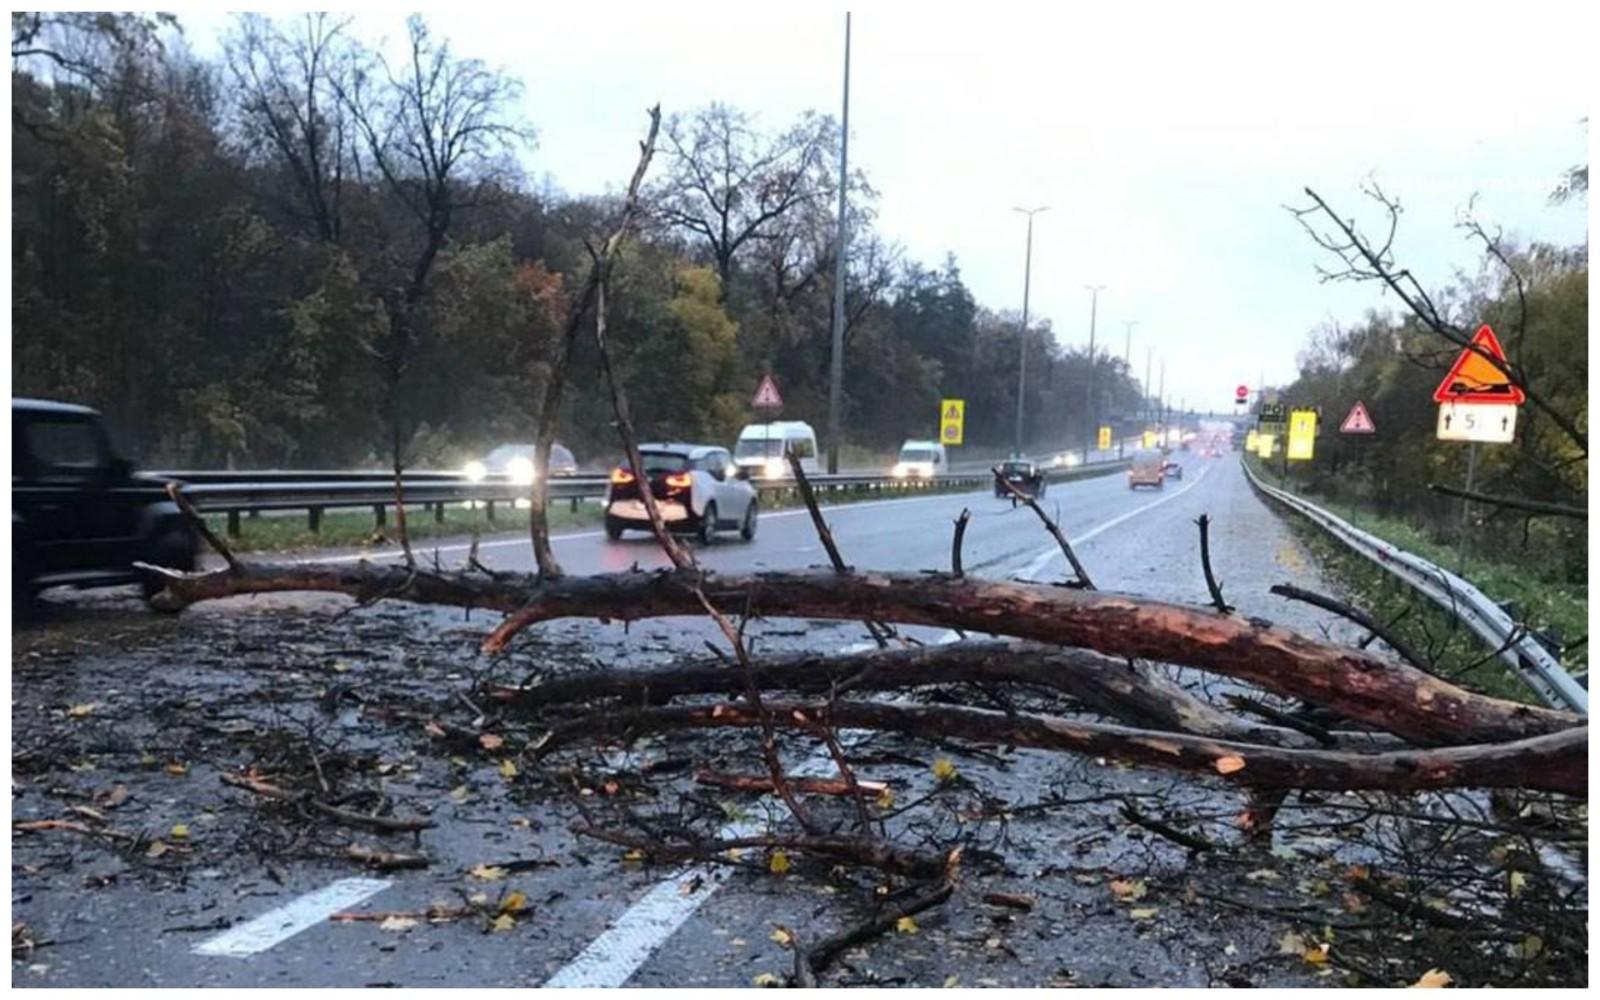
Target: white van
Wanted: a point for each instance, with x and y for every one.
(920, 460)
(762, 448)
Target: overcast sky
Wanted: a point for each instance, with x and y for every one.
(1164, 139)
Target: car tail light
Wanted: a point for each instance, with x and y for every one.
(680, 481)
(621, 477)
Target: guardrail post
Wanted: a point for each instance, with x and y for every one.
(488, 510)
(380, 515)
(574, 505)
(438, 513)
(314, 519)
(254, 514)
(233, 524)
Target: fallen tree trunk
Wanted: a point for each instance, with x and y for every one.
(1358, 685)
(1557, 762)
(1131, 693)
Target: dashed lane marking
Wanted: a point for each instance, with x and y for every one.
(283, 923)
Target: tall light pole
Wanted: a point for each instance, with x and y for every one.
(836, 370)
(1161, 401)
(1022, 339)
(1144, 392)
(1089, 401)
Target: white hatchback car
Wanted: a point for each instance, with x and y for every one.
(697, 488)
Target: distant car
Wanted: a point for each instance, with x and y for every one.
(1024, 476)
(920, 460)
(1148, 468)
(1173, 470)
(517, 463)
(79, 515)
(763, 448)
(697, 487)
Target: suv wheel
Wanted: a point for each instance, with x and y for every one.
(747, 530)
(174, 549)
(708, 524)
(613, 528)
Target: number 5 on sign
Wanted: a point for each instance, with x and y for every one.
(1492, 423)
(1302, 434)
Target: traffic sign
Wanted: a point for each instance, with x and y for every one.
(1494, 423)
(1270, 413)
(1475, 379)
(1264, 443)
(1250, 442)
(1103, 439)
(767, 397)
(1241, 394)
(1302, 434)
(952, 420)
(1358, 421)
(1149, 439)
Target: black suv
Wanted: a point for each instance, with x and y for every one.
(79, 515)
(1024, 476)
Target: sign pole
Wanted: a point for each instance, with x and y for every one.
(1466, 507)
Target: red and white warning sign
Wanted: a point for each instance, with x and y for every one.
(767, 396)
(1358, 421)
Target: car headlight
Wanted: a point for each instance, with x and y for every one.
(475, 471)
(773, 469)
(520, 471)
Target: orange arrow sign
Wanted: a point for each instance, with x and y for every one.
(1474, 379)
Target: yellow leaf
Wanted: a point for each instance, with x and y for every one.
(1228, 765)
(778, 863)
(634, 856)
(782, 936)
(508, 769)
(177, 770)
(733, 853)
(490, 741)
(906, 925)
(943, 769)
(504, 922)
(515, 902)
(886, 798)
(951, 982)
(1143, 912)
(79, 711)
(397, 924)
(488, 873)
(1516, 883)
(156, 849)
(1530, 947)
(1128, 889)
(180, 831)
(1432, 979)
(340, 666)
(1317, 955)
(460, 793)
(766, 979)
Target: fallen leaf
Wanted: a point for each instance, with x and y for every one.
(1317, 955)
(508, 769)
(1515, 883)
(433, 729)
(951, 982)
(886, 798)
(1128, 889)
(943, 770)
(515, 902)
(906, 925)
(1353, 903)
(1530, 947)
(1228, 765)
(177, 769)
(397, 924)
(610, 788)
(80, 711)
(156, 849)
(340, 667)
(782, 936)
(504, 922)
(116, 797)
(479, 899)
(460, 793)
(1291, 944)
(778, 863)
(1143, 912)
(1262, 875)
(766, 979)
(180, 831)
(488, 873)
(491, 741)
(1432, 979)
(1230, 950)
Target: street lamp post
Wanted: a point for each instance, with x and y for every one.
(1022, 339)
(1091, 410)
(836, 362)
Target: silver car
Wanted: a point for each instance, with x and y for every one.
(697, 489)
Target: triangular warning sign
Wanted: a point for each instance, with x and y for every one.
(767, 394)
(1473, 379)
(1358, 421)
(952, 413)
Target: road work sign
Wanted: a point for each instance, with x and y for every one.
(1302, 434)
(1150, 438)
(1264, 443)
(767, 397)
(952, 420)
(1475, 379)
(1250, 440)
(1358, 421)
(1492, 423)
(1103, 439)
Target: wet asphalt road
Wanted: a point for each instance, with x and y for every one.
(1139, 541)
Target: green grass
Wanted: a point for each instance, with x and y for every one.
(1559, 609)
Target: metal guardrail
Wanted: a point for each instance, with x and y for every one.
(1513, 642)
(235, 493)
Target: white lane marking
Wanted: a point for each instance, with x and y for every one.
(612, 958)
(1054, 552)
(276, 926)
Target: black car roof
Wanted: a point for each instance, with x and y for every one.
(50, 406)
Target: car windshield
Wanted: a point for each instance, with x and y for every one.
(1147, 457)
(1023, 467)
(917, 454)
(759, 448)
(656, 462)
